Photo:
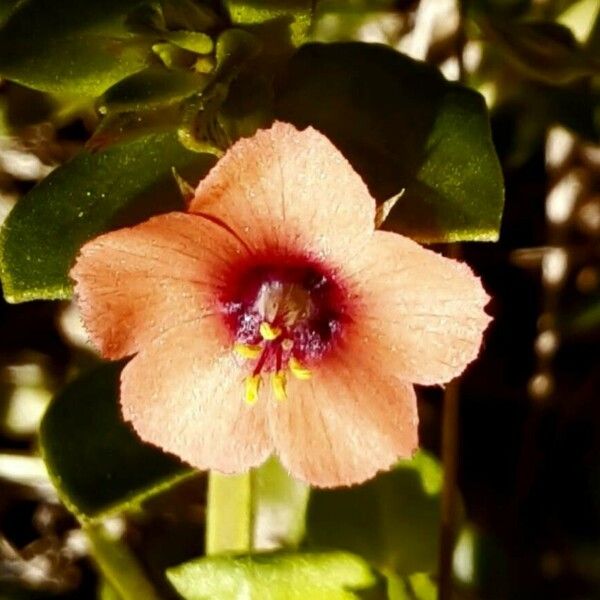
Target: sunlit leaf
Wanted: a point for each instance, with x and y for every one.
(94, 459)
(296, 14)
(307, 576)
(191, 40)
(402, 125)
(392, 521)
(70, 46)
(91, 194)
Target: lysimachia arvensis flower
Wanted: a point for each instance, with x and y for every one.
(273, 318)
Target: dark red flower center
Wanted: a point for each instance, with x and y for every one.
(283, 317)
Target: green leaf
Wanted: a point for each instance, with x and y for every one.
(297, 14)
(402, 126)
(392, 521)
(307, 576)
(94, 459)
(70, 46)
(542, 50)
(93, 193)
(155, 86)
(193, 41)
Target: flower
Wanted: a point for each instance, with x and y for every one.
(273, 317)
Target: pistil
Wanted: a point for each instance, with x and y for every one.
(282, 317)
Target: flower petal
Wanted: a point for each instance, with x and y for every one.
(284, 187)
(420, 315)
(134, 283)
(343, 425)
(185, 394)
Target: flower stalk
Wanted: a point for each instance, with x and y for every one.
(229, 513)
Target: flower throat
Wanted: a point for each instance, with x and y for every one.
(282, 320)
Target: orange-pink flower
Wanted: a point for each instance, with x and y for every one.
(274, 318)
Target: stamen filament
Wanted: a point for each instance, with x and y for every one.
(268, 332)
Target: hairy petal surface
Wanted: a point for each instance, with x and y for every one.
(288, 189)
(345, 424)
(135, 283)
(419, 315)
(184, 394)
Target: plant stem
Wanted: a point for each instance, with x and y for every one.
(450, 463)
(118, 565)
(229, 513)
(450, 426)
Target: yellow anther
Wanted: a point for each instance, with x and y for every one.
(298, 369)
(252, 383)
(278, 383)
(247, 350)
(268, 332)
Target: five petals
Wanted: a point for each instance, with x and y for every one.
(155, 290)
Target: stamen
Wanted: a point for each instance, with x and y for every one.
(298, 369)
(278, 383)
(247, 350)
(252, 384)
(268, 332)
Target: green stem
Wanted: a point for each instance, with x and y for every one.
(229, 513)
(118, 565)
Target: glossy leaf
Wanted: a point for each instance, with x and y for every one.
(307, 576)
(94, 458)
(70, 46)
(91, 194)
(544, 51)
(392, 520)
(152, 87)
(402, 126)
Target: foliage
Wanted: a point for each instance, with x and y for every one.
(163, 88)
